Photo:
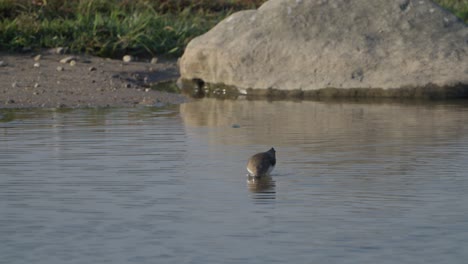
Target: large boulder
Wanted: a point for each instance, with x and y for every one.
(307, 45)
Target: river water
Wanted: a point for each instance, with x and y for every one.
(355, 182)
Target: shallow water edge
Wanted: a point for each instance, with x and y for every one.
(198, 88)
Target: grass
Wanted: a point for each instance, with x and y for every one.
(116, 27)
(458, 7)
(105, 28)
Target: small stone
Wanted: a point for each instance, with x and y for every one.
(37, 65)
(60, 68)
(147, 89)
(2, 63)
(36, 85)
(92, 68)
(14, 84)
(154, 60)
(37, 57)
(127, 85)
(68, 59)
(72, 62)
(127, 58)
(60, 50)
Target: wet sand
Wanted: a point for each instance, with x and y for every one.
(27, 81)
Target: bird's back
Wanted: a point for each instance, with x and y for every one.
(261, 163)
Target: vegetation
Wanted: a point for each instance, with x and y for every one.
(112, 28)
(458, 7)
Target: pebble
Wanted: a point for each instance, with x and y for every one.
(127, 85)
(92, 68)
(37, 57)
(154, 60)
(37, 65)
(68, 59)
(60, 68)
(14, 84)
(61, 50)
(127, 58)
(36, 85)
(147, 89)
(2, 63)
(72, 62)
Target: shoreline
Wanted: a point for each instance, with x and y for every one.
(41, 80)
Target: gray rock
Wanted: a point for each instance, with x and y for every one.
(60, 68)
(315, 44)
(72, 62)
(37, 65)
(68, 59)
(154, 60)
(3, 63)
(37, 57)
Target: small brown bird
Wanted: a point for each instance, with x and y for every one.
(262, 164)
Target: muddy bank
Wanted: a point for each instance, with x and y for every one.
(29, 81)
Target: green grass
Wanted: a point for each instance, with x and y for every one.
(458, 7)
(104, 28)
(116, 27)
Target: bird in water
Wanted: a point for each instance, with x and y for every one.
(261, 164)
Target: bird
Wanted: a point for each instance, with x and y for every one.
(261, 164)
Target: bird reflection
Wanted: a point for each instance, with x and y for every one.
(263, 187)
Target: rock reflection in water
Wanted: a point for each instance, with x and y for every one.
(262, 187)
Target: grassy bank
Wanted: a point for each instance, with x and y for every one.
(113, 28)
(110, 28)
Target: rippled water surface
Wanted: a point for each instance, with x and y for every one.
(354, 183)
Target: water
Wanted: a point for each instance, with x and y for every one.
(354, 183)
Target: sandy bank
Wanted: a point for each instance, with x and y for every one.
(28, 81)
